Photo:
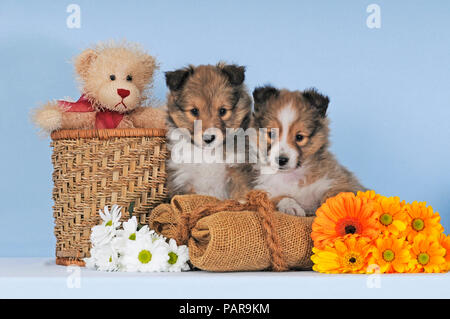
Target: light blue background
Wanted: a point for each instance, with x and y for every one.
(389, 87)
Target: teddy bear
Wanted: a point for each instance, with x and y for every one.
(115, 79)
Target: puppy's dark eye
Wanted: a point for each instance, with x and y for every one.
(222, 111)
(112, 77)
(194, 111)
(299, 137)
(129, 78)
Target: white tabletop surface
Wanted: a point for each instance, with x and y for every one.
(42, 278)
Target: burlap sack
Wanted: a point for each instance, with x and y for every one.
(232, 239)
(166, 218)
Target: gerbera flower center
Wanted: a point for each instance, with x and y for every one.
(350, 229)
(388, 255)
(145, 256)
(132, 236)
(423, 258)
(109, 223)
(418, 224)
(172, 258)
(348, 226)
(352, 260)
(386, 219)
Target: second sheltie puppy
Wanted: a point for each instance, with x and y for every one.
(203, 104)
(306, 172)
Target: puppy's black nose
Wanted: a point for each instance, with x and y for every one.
(208, 138)
(282, 160)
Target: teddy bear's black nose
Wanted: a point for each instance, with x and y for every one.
(123, 93)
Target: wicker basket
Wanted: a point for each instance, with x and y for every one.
(94, 168)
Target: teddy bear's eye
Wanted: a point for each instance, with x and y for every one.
(129, 78)
(112, 77)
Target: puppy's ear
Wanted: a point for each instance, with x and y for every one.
(234, 73)
(263, 93)
(83, 62)
(317, 100)
(176, 79)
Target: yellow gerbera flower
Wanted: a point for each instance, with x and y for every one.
(349, 255)
(427, 255)
(423, 221)
(390, 254)
(393, 218)
(368, 194)
(444, 240)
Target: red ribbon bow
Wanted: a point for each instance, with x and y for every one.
(103, 118)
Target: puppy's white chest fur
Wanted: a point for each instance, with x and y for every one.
(288, 184)
(205, 179)
(203, 175)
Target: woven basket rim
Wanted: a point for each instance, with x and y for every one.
(108, 133)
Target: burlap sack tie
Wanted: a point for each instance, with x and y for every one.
(257, 201)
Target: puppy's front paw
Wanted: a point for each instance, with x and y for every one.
(291, 207)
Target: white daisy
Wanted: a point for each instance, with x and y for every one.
(144, 255)
(155, 236)
(129, 233)
(178, 257)
(103, 258)
(102, 234)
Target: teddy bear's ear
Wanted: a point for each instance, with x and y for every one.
(84, 60)
(317, 100)
(149, 65)
(234, 73)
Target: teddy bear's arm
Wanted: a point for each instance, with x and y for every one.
(148, 117)
(77, 120)
(48, 117)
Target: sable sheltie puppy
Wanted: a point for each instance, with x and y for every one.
(306, 172)
(215, 97)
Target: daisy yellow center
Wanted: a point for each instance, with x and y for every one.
(172, 258)
(132, 236)
(418, 224)
(388, 255)
(110, 259)
(145, 256)
(423, 258)
(109, 223)
(386, 219)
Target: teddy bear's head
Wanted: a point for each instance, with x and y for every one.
(114, 76)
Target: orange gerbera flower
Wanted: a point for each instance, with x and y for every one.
(349, 255)
(342, 215)
(444, 240)
(427, 255)
(390, 254)
(423, 221)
